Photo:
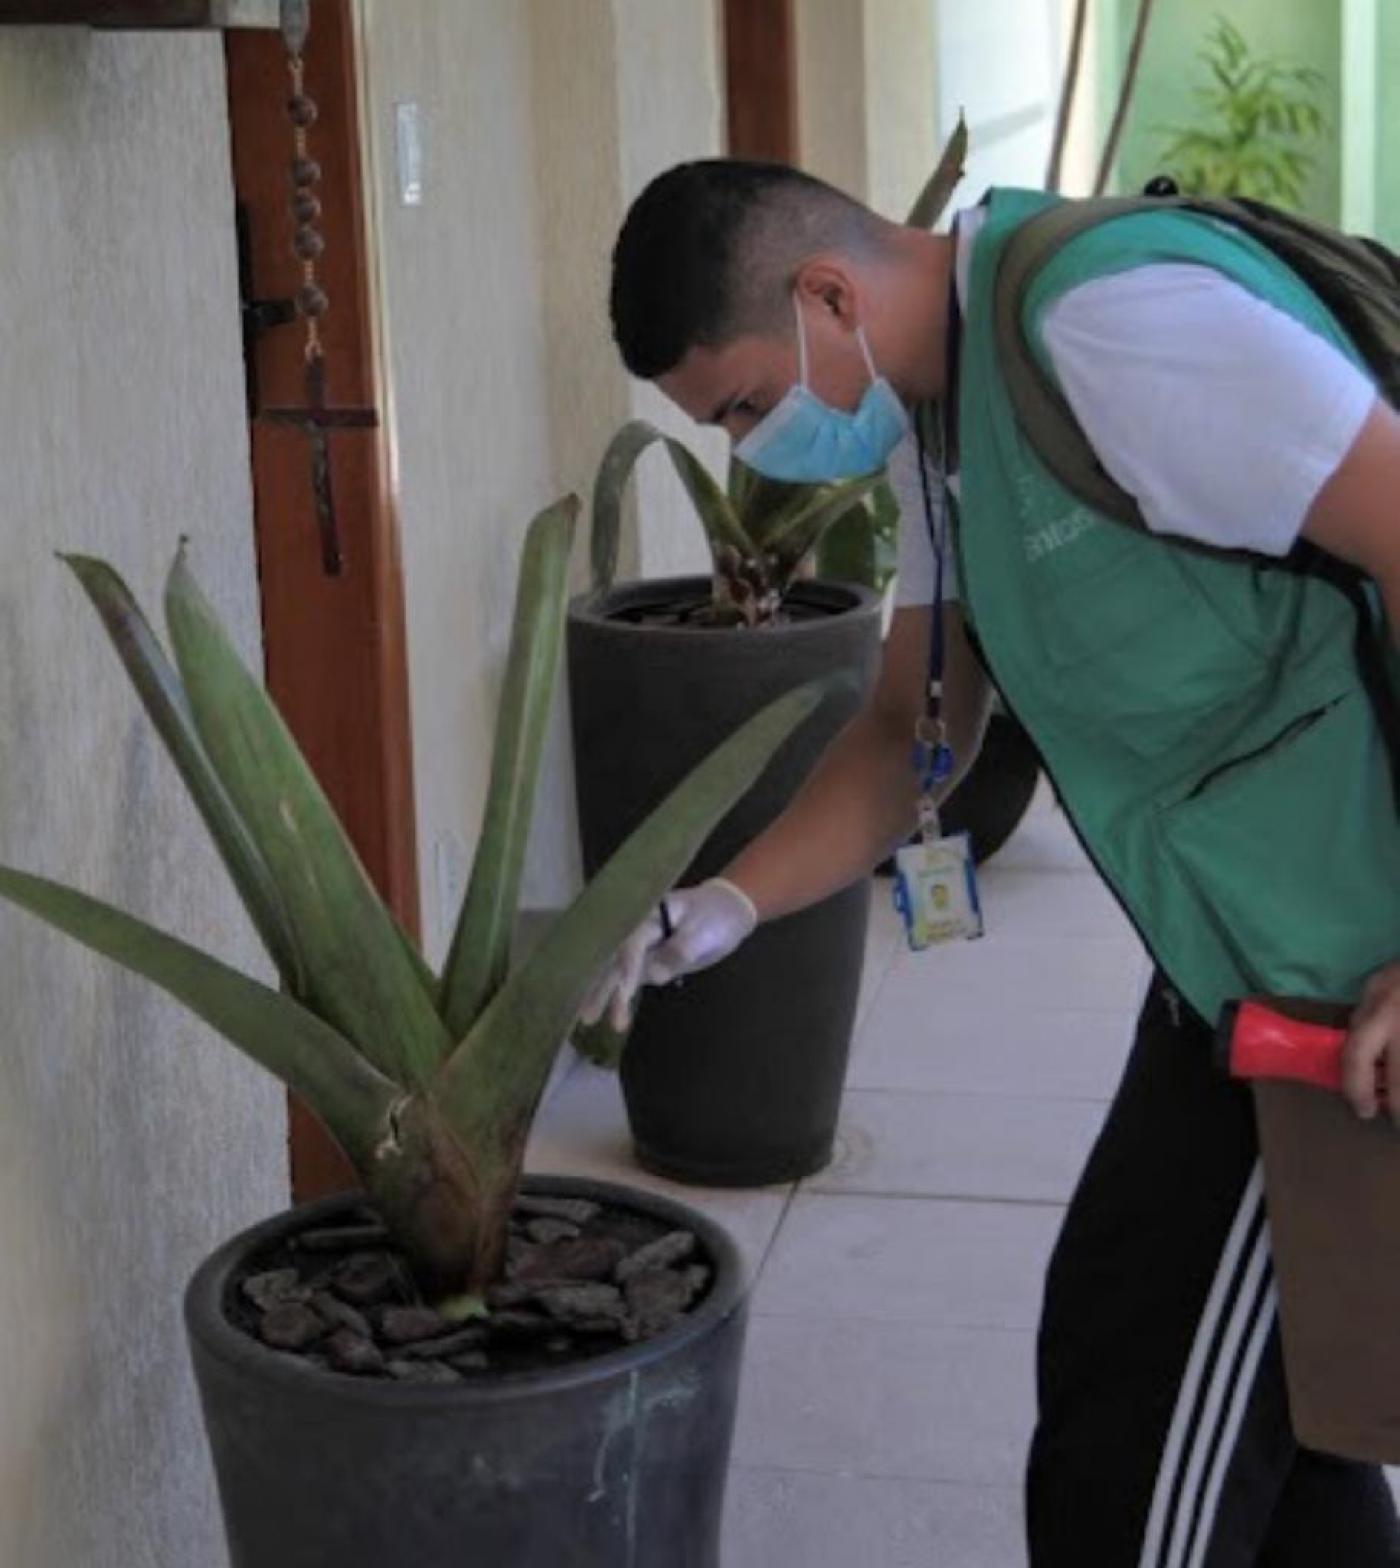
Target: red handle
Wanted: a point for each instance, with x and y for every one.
(1265, 1044)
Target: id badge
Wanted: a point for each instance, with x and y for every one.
(935, 891)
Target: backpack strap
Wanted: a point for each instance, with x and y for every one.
(1042, 410)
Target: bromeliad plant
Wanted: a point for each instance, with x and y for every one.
(428, 1082)
(760, 531)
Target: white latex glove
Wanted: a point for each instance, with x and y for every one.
(708, 923)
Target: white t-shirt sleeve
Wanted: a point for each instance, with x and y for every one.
(915, 578)
(1220, 414)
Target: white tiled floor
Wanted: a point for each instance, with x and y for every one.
(888, 1384)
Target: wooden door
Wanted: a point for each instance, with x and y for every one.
(760, 62)
(334, 639)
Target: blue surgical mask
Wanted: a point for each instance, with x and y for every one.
(806, 441)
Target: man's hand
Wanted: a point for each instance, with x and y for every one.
(1371, 1056)
(706, 923)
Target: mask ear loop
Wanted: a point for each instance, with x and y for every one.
(865, 350)
(801, 340)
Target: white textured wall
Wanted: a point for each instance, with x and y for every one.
(131, 1140)
(901, 135)
(670, 105)
(867, 97)
(540, 120)
(833, 135)
(461, 281)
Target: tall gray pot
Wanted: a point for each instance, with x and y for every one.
(621, 1459)
(733, 1078)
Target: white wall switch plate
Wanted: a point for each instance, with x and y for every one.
(408, 152)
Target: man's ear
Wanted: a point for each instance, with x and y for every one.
(827, 282)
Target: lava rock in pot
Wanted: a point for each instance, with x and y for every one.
(291, 1326)
(546, 1231)
(365, 1278)
(588, 1308)
(578, 1211)
(403, 1325)
(275, 1288)
(674, 1247)
(587, 1258)
(347, 1351)
(340, 1314)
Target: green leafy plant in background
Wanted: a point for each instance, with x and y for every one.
(1258, 119)
(428, 1082)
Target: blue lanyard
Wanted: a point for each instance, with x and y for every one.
(933, 757)
(938, 542)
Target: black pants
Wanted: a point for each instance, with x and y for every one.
(1164, 1438)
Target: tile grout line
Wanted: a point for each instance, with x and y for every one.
(772, 1241)
(875, 1475)
(905, 1196)
(904, 1090)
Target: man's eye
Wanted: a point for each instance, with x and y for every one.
(746, 406)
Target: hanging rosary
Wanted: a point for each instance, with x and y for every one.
(312, 302)
(308, 242)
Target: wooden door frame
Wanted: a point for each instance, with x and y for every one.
(335, 645)
(760, 62)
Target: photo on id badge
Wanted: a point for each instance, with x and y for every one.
(935, 891)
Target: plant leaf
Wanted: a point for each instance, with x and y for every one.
(360, 978)
(799, 534)
(490, 1085)
(770, 503)
(862, 546)
(609, 488)
(740, 483)
(717, 516)
(479, 957)
(278, 1033)
(846, 552)
(944, 180)
(158, 686)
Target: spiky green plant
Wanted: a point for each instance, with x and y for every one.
(428, 1082)
(1259, 119)
(759, 530)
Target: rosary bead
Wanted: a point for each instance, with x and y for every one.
(301, 109)
(308, 243)
(305, 171)
(305, 207)
(312, 300)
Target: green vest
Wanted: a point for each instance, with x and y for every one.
(1201, 714)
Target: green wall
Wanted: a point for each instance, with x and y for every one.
(1388, 124)
(1306, 31)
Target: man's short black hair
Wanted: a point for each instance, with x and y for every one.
(710, 250)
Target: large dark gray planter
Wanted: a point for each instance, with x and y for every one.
(621, 1459)
(735, 1077)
